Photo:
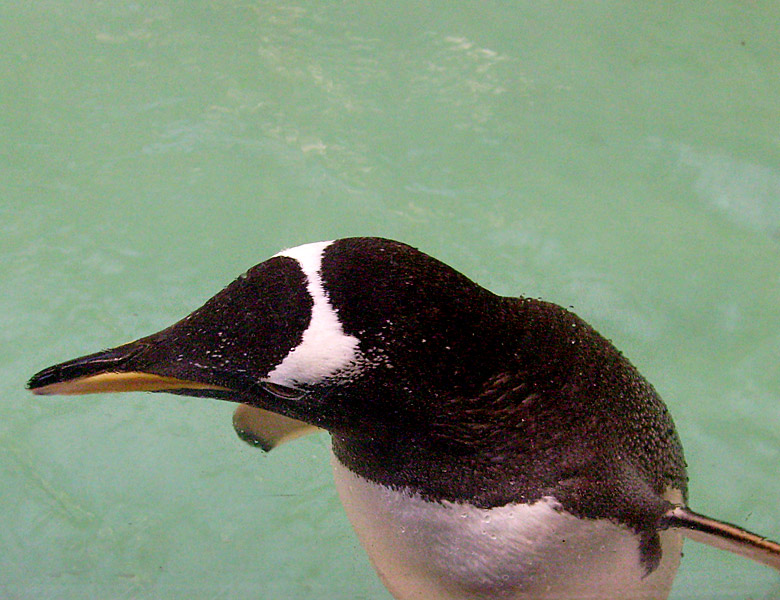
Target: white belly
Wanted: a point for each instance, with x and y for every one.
(445, 551)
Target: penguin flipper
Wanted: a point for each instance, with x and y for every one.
(722, 535)
(266, 429)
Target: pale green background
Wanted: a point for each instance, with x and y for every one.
(622, 158)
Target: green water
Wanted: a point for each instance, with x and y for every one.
(620, 158)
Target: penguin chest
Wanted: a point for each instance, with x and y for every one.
(425, 550)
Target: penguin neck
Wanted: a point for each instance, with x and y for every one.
(473, 442)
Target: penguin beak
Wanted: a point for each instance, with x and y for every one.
(116, 382)
(115, 370)
(119, 370)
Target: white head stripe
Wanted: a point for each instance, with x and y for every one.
(325, 350)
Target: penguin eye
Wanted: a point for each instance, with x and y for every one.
(282, 391)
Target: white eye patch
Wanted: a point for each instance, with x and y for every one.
(325, 350)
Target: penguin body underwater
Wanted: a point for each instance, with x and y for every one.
(482, 446)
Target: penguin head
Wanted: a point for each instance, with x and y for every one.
(334, 334)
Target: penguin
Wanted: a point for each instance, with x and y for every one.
(483, 447)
